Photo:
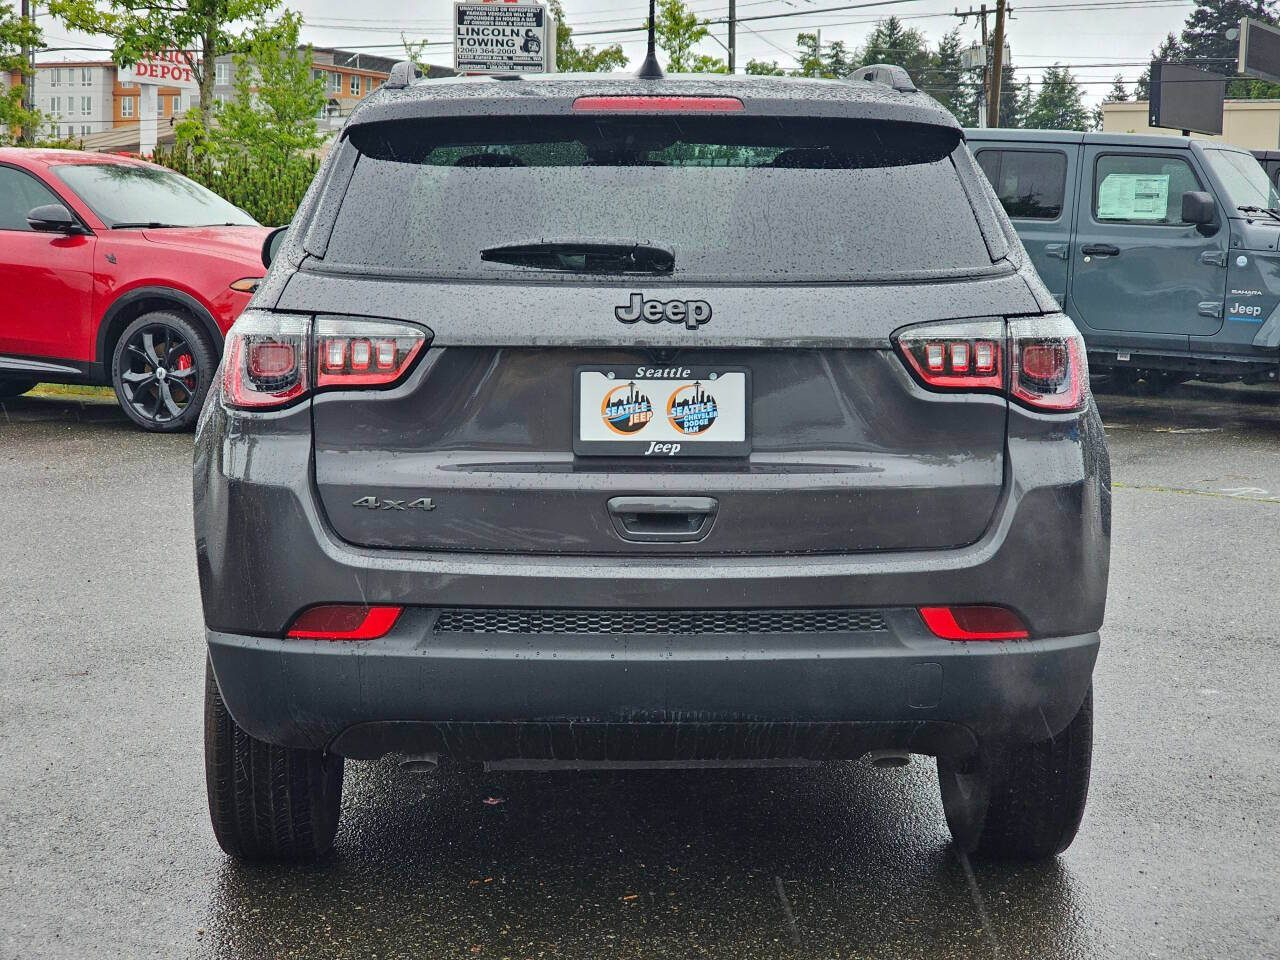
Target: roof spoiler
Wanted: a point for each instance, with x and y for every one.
(890, 74)
(404, 73)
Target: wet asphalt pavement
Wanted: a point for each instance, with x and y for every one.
(106, 851)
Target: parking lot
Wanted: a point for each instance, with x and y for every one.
(106, 849)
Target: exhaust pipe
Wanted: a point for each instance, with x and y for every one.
(419, 763)
(889, 759)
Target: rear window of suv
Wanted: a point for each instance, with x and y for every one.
(767, 199)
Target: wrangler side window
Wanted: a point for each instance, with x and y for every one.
(1030, 184)
(1141, 188)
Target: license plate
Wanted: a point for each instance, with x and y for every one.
(662, 411)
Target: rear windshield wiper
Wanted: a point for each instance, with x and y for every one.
(1271, 212)
(585, 256)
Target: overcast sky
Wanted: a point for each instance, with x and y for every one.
(1096, 38)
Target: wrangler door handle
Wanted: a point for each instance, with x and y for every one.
(1100, 250)
(662, 519)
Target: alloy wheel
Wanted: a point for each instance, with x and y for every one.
(159, 373)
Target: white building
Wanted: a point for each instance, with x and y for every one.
(77, 98)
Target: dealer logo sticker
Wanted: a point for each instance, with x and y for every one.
(625, 409)
(691, 409)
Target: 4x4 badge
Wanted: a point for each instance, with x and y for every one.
(375, 503)
(692, 313)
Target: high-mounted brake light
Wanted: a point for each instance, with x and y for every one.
(344, 621)
(973, 623)
(658, 104)
(1039, 362)
(270, 360)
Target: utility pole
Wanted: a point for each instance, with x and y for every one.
(733, 35)
(997, 67)
(28, 79)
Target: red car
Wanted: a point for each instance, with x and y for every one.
(117, 271)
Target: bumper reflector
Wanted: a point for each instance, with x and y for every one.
(344, 621)
(973, 623)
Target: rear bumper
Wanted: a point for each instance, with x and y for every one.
(594, 697)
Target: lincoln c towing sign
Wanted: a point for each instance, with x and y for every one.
(503, 36)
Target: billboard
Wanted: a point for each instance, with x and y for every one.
(168, 68)
(503, 36)
(1183, 98)
(1259, 50)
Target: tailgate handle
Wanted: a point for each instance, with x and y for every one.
(662, 519)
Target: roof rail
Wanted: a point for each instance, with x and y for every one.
(403, 74)
(890, 74)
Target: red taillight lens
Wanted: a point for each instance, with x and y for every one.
(1048, 369)
(362, 353)
(271, 359)
(265, 362)
(658, 104)
(955, 356)
(344, 621)
(973, 623)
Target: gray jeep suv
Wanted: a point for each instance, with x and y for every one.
(599, 421)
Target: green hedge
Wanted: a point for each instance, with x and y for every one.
(270, 192)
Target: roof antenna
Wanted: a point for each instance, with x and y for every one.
(650, 69)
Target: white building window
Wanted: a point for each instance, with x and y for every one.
(55, 77)
(222, 73)
(85, 130)
(86, 76)
(355, 85)
(86, 106)
(55, 105)
(126, 107)
(177, 104)
(335, 83)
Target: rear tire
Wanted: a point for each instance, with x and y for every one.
(14, 387)
(1027, 802)
(266, 802)
(161, 369)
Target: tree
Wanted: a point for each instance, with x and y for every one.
(201, 29)
(1012, 112)
(1204, 41)
(272, 117)
(570, 58)
(1058, 105)
(892, 42)
(16, 32)
(831, 60)
(678, 30)
(763, 68)
(944, 79)
(1170, 49)
(1204, 36)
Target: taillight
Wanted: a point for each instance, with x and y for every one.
(273, 359)
(265, 361)
(361, 353)
(1039, 362)
(344, 621)
(956, 356)
(973, 623)
(1050, 370)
